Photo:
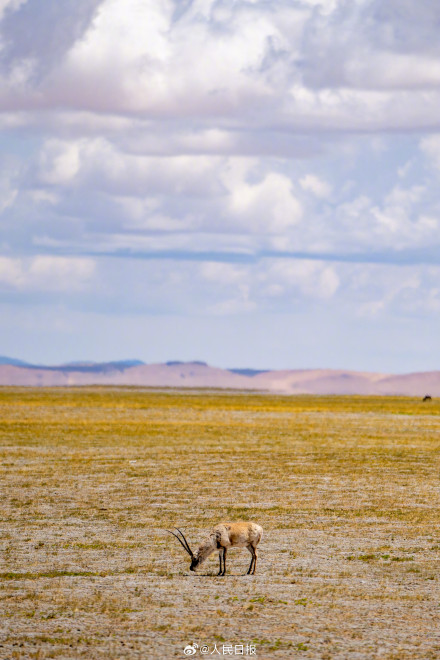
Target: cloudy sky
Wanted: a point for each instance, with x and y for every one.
(245, 182)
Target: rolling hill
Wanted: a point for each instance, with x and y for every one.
(200, 375)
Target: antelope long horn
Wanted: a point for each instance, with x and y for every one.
(185, 545)
(185, 541)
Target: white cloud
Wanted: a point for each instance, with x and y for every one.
(315, 185)
(430, 147)
(268, 206)
(399, 288)
(269, 283)
(400, 221)
(10, 5)
(238, 304)
(326, 65)
(394, 71)
(309, 279)
(98, 162)
(8, 192)
(157, 66)
(44, 197)
(59, 162)
(223, 274)
(46, 274)
(10, 271)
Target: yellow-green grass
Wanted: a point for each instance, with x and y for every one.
(346, 488)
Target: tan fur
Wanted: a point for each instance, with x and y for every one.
(229, 535)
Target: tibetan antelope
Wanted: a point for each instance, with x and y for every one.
(221, 537)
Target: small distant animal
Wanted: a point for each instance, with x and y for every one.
(427, 397)
(221, 537)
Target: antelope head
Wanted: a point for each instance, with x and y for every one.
(184, 543)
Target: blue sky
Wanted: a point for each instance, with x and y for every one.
(244, 182)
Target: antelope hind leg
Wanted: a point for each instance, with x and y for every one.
(252, 551)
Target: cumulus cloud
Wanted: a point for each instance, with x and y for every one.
(315, 185)
(8, 191)
(430, 147)
(266, 206)
(311, 64)
(383, 290)
(370, 290)
(269, 284)
(374, 45)
(55, 29)
(10, 6)
(310, 279)
(44, 273)
(396, 224)
(59, 162)
(96, 162)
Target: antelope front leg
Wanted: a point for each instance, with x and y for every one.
(224, 561)
(220, 554)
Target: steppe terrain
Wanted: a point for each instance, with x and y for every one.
(346, 488)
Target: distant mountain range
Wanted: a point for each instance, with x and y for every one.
(86, 367)
(199, 374)
(15, 363)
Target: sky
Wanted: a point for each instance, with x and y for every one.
(251, 183)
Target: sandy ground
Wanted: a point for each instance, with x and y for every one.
(347, 490)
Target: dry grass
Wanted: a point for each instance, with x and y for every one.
(347, 489)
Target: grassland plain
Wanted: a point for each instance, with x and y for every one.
(346, 488)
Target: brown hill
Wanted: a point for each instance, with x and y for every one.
(152, 375)
(195, 374)
(319, 381)
(417, 384)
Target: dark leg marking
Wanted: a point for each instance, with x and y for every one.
(255, 561)
(252, 551)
